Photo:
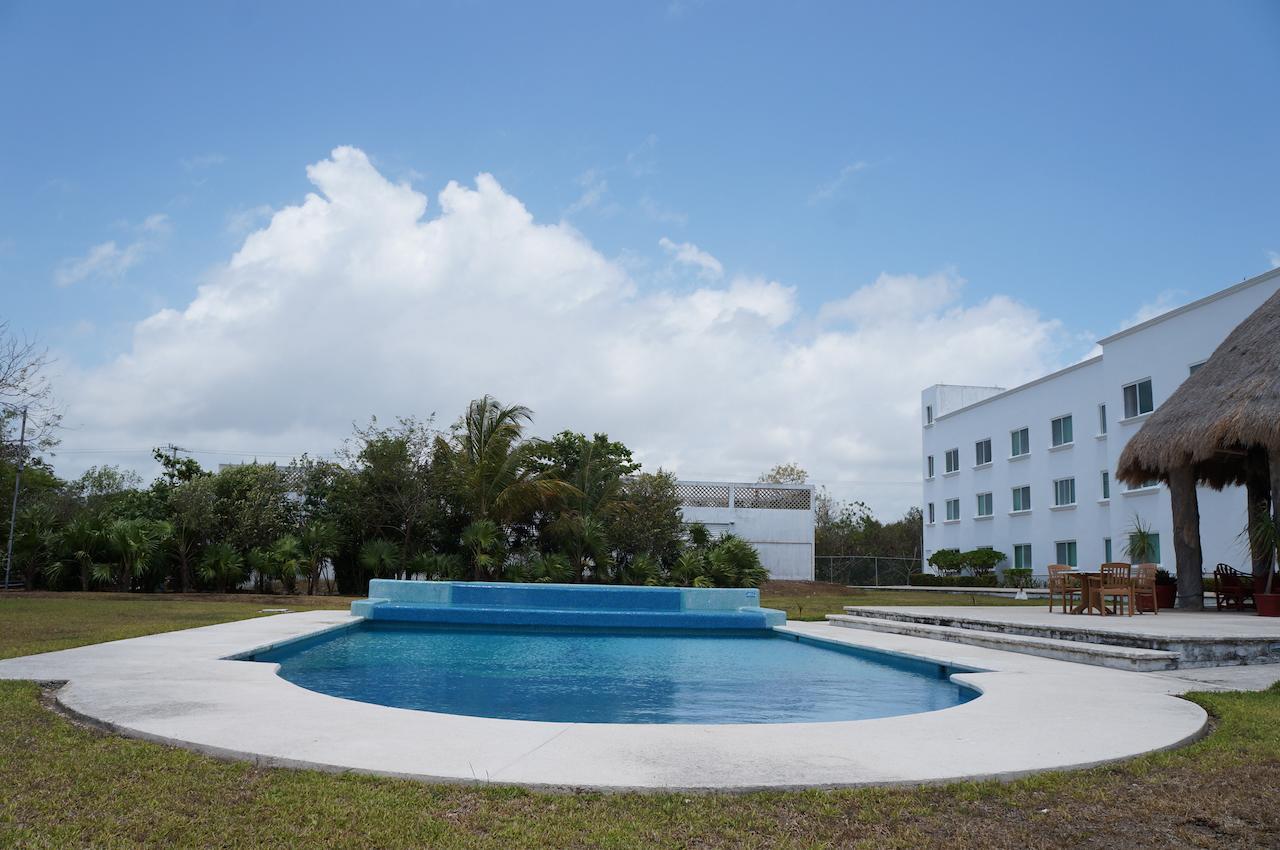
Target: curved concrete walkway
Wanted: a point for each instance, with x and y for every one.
(177, 688)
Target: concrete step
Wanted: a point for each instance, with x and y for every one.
(1098, 654)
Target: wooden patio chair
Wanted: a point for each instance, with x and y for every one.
(1231, 586)
(1115, 582)
(1144, 589)
(1062, 583)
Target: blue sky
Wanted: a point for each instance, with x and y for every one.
(1079, 158)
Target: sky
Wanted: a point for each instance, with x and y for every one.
(729, 234)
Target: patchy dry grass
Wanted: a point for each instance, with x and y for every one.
(68, 786)
(803, 600)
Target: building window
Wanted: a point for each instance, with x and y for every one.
(931, 513)
(1137, 399)
(1022, 498)
(1022, 556)
(1062, 431)
(1064, 492)
(1150, 482)
(1153, 556)
(984, 504)
(953, 509)
(929, 467)
(982, 452)
(1102, 419)
(1019, 442)
(1066, 552)
(1106, 484)
(953, 460)
(1195, 367)
(928, 414)
(1106, 549)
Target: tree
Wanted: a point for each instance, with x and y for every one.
(193, 508)
(394, 489)
(318, 543)
(134, 544)
(24, 385)
(380, 558)
(580, 528)
(947, 561)
(221, 566)
(253, 505)
(286, 561)
(492, 468)
(483, 539)
(651, 525)
(82, 546)
(784, 473)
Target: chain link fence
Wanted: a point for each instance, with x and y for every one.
(864, 570)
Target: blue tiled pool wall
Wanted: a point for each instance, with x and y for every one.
(503, 603)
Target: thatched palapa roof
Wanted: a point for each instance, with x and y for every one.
(1230, 404)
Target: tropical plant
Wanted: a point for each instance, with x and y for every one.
(134, 544)
(192, 504)
(318, 543)
(483, 540)
(287, 559)
(35, 541)
(493, 469)
(82, 544)
(437, 566)
(1141, 548)
(542, 567)
(380, 558)
(1264, 535)
(734, 562)
(221, 566)
(258, 561)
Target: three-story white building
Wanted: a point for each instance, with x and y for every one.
(1029, 471)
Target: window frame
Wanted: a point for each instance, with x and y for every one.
(1102, 419)
(1136, 386)
(991, 505)
(1057, 429)
(1025, 432)
(1016, 492)
(1073, 550)
(929, 468)
(977, 452)
(1021, 561)
(949, 503)
(1056, 492)
(1106, 486)
(932, 516)
(947, 468)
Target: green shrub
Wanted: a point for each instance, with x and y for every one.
(947, 561)
(982, 561)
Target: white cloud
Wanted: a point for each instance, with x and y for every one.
(242, 221)
(1167, 300)
(355, 301)
(831, 188)
(110, 260)
(202, 161)
(594, 187)
(686, 253)
(642, 161)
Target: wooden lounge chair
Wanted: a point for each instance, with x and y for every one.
(1062, 583)
(1114, 582)
(1144, 589)
(1232, 587)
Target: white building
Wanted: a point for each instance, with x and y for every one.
(1030, 470)
(777, 519)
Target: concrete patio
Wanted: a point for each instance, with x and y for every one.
(1169, 640)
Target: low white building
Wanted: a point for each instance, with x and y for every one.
(777, 519)
(1030, 471)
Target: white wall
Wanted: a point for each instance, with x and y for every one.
(1163, 350)
(783, 537)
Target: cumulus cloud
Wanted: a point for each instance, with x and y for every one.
(357, 300)
(109, 259)
(688, 254)
(594, 188)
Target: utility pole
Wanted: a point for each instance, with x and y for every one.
(13, 510)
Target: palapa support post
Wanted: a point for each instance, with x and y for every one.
(1186, 538)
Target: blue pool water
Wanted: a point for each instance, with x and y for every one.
(585, 676)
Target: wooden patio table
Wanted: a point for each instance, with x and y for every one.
(1090, 581)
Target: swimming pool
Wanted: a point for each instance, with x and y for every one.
(581, 675)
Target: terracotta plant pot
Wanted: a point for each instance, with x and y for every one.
(1268, 604)
(1166, 595)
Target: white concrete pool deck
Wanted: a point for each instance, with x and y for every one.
(176, 688)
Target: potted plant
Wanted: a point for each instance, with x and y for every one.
(1166, 588)
(1266, 538)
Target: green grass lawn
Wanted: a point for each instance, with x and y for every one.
(814, 600)
(64, 785)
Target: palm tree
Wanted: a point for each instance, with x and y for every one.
(597, 492)
(135, 543)
(82, 541)
(286, 561)
(490, 464)
(221, 565)
(380, 557)
(483, 538)
(319, 543)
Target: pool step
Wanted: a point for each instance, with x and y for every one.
(1098, 654)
